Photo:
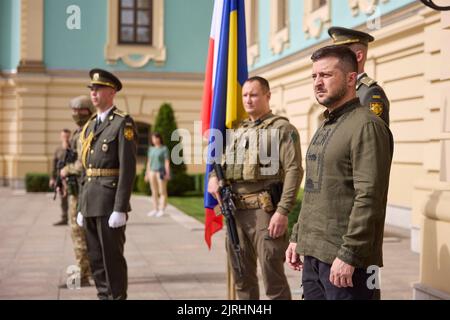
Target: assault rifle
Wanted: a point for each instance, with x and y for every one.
(228, 209)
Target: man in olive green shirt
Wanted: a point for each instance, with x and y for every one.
(340, 227)
(265, 191)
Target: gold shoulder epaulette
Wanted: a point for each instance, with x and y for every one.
(121, 113)
(368, 81)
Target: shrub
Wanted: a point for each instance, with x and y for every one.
(180, 184)
(37, 182)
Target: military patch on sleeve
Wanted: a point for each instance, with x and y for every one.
(294, 137)
(377, 108)
(128, 132)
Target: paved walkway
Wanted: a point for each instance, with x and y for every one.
(167, 257)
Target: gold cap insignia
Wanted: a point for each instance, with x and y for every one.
(377, 108)
(96, 76)
(128, 133)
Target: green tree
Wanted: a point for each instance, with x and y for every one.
(165, 124)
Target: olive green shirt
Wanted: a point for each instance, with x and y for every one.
(347, 177)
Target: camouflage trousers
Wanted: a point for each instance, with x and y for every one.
(78, 239)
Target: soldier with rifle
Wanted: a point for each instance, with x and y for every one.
(263, 168)
(56, 182)
(72, 171)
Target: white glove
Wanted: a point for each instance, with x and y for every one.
(80, 219)
(117, 219)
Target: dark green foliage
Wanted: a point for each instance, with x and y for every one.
(140, 185)
(37, 182)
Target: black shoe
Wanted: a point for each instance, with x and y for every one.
(60, 223)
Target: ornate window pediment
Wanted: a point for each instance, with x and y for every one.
(279, 25)
(317, 17)
(366, 6)
(135, 32)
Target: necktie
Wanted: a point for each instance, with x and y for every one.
(98, 123)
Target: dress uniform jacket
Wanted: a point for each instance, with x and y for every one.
(373, 97)
(109, 157)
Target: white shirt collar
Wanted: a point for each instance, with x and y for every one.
(103, 115)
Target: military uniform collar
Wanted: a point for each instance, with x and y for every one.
(260, 120)
(104, 114)
(336, 113)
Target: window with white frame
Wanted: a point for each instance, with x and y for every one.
(135, 32)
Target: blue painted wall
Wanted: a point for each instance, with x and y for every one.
(186, 24)
(341, 16)
(9, 34)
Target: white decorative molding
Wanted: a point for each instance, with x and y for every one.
(279, 37)
(252, 22)
(315, 20)
(128, 53)
(366, 6)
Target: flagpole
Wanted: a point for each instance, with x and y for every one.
(231, 285)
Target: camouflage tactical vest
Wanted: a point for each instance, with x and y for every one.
(248, 153)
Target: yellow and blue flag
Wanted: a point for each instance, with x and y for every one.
(226, 72)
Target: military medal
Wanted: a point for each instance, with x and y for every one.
(104, 147)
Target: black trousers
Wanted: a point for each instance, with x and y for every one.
(317, 285)
(108, 265)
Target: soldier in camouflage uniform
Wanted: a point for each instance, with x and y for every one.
(265, 191)
(58, 159)
(82, 110)
(368, 91)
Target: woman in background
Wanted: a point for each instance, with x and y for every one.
(157, 173)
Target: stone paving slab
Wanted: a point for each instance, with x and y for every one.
(167, 257)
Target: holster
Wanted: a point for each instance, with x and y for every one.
(259, 200)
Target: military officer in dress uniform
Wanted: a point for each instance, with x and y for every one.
(368, 91)
(265, 191)
(109, 143)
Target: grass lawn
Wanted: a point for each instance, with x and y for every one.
(192, 206)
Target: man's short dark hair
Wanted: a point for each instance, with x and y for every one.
(346, 56)
(67, 131)
(262, 81)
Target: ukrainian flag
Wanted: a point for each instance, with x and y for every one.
(226, 72)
